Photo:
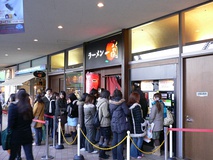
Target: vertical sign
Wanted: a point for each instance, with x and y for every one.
(11, 16)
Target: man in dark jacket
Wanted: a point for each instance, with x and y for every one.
(46, 99)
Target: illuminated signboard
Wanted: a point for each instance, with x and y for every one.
(103, 53)
(11, 16)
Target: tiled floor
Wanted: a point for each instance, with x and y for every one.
(68, 153)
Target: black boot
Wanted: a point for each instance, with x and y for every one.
(102, 153)
(73, 137)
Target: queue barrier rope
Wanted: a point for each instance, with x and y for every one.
(153, 151)
(69, 143)
(108, 148)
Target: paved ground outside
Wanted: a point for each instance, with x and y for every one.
(69, 152)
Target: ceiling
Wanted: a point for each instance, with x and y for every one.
(82, 21)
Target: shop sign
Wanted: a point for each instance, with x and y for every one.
(103, 53)
(39, 74)
(30, 70)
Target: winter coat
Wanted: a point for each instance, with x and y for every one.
(120, 116)
(47, 105)
(61, 110)
(72, 109)
(137, 120)
(89, 112)
(21, 129)
(103, 112)
(38, 110)
(81, 113)
(156, 117)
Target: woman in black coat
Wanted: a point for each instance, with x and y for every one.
(20, 117)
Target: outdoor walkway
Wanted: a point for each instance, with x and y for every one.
(68, 153)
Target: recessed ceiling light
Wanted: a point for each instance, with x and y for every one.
(100, 4)
(18, 49)
(35, 40)
(6, 55)
(60, 27)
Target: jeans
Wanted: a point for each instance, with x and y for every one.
(27, 150)
(50, 125)
(91, 136)
(134, 152)
(38, 135)
(117, 152)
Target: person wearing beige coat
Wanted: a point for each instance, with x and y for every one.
(38, 111)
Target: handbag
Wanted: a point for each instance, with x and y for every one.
(96, 122)
(33, 124)
(168, 120)
(5, 139)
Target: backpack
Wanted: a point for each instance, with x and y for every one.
(96, 122)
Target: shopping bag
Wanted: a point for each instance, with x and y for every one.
(168, 120)
(148, 136)
(5, 139)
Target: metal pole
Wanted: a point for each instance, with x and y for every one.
(78, 156)
(165, 142)
(170, 143)
(54, 119)
(128, 146)
(47, 145)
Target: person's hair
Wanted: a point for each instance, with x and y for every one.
(83, 96)
(55, 94)
(89, 99)
(63, 93)
(48, 89)
(24, 106)
(157, 97)
(39, 98)
(12, 97)
(105, 94)
(133, 98)
(93, 92)
(72, 97)
(117, 94)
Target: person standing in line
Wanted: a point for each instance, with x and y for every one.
(80, 104)
(138, 130)
(61, 111)
(20, 117)
(46, 99)
(38, 111)
(89, 113)
(156, 117)
(104, 118)
(119, 123)
(72, 119)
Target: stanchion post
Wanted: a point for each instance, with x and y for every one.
(171, 145)
(128, 146)
(78, 156)
(54, 119)
(59, 145)
(165, 142)
(47, 156)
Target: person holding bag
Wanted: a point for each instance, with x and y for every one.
(38, 111)
(138, 125)
(20, 117)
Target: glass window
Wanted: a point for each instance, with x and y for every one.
(24, 65)
(57, 62)
(39, 61)
(154, 35)
(198, 23)
(75, 58)
(74, 83)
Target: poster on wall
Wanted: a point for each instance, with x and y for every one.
(11, 16)
(104, 53)
(166, 85)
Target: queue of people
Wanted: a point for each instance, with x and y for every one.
(116, 116)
